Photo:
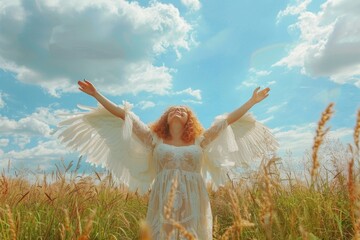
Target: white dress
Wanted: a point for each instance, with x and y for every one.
(191, 205)
(140, 160)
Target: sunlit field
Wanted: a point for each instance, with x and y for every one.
(271, 202)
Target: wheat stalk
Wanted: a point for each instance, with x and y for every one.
(4, 183)
(79, 227)
(216, 227)
(239, 223)
(67, 220)
(357, 131)
(89, 223)
(170, 201)
(11, 223)
(354, 199)
(304, 233)
(183, 230)
(168, 213)
(353, 187)
(62, 231)
(319, 137)
(145, 231)
(266, 213)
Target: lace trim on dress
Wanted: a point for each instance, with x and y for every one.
(212, 133)
(134, 125)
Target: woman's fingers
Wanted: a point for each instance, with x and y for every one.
(256, 89)
(82, 84)
(265, 91)
(260, 95)
(85, 84)
(88, 82)
(84, 87)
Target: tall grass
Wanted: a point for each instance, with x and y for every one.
(271, 203)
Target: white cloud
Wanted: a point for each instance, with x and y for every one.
(329, 42)
(266, 119)
(259, 73)
(193, 5)
(296, 147)
(192, 101)
(28, 126)
(194, 93)
(50, 116)
(21, 140)
(4, 142)
(256, 77)
(36, 124)
(145, 104)
(300, 7)
(48, 150)
(114, 43)
(341, 133)
(2, 102)
(276, 107)
(36, 128)
(328, 95)
(299, 139)
(248, 83)
(270, 83)
(31, 158)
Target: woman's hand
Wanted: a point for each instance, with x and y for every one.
(87, 87)
(259, 96)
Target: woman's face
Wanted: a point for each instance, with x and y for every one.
(178, 113)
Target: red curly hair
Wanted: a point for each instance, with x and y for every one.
(192, 129)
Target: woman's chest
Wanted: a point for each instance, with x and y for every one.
(184, 157)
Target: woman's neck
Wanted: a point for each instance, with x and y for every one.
(176, 130)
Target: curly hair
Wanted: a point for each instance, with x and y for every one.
(192, 129)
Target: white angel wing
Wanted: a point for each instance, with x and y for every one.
(108, 141)
(236, 145)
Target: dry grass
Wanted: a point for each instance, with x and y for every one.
(12, 226)
(271, 203)
(353, 182)
(318, 140)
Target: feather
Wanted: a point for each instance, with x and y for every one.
(236, 147)
(102, 137)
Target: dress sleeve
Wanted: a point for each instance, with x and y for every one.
(134, 125)
(227, 147)
(219, 132)
(211, 133)
(124, 147)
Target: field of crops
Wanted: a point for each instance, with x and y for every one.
(269, 203)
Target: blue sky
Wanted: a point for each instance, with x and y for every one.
(209, 55)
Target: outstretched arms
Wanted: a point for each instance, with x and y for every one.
(88, 88)
(256, 98)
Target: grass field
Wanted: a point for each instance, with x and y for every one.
(270, 203)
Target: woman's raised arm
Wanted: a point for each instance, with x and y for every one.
(256, 97)
(211, 133)
(88, 88)
(141, 130)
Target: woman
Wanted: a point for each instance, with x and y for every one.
(173, 156)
